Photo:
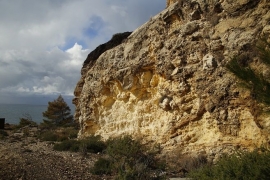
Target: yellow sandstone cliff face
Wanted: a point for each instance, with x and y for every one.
(166, 83)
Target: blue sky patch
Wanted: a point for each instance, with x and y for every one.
(96, 23)
(92, 31)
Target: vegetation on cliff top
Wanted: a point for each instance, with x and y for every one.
(254, 80)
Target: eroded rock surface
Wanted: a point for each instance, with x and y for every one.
(166, 83)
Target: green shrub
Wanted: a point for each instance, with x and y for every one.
(48, 136)
(47, 125)
(26, 122)
(243, 165)
(251, 79)
(264, 52)
(83, 150)
(72, 133)
(94, 144)
(195, 162)
(258, 84)
(61, 138)
(26, 131)
(58, 134)
(66, 133)
(130, 159)
(102, 166)
(180, 164)
(68, 145)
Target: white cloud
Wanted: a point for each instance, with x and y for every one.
(77, 54)
(23, 90)
(47, 72)
(44, 43)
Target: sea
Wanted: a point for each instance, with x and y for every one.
(13, 112)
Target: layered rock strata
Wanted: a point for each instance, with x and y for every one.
(167, 82)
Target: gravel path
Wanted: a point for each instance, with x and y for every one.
(25, 158)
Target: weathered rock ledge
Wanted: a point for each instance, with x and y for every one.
(166, 83)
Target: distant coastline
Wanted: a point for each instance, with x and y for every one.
(13, 112)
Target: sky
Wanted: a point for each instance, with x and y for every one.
(44, 43)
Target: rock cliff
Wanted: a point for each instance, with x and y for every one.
(166, 82)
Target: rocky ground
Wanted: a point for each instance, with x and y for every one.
(27, 158)
(23, 156)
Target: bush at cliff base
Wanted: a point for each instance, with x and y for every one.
(241, 165)
(60, 134)
(129, 159)
(102, 166)
(92, 144)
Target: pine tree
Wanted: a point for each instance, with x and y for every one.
(58, 112)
